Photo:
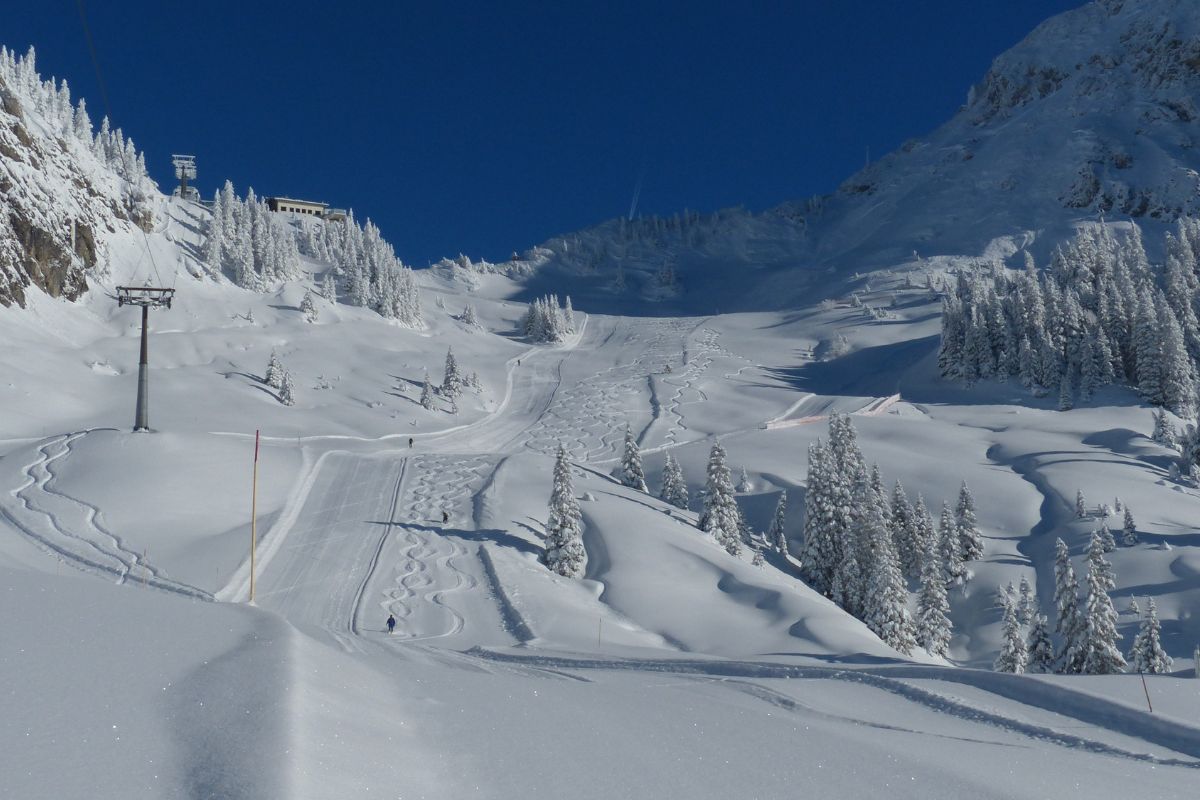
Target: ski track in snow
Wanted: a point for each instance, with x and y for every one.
(418, 589)
(74, 530)
(589, 418)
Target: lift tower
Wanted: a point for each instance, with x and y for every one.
(185, 170)
(147, 297)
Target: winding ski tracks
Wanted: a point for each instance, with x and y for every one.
(74, 530)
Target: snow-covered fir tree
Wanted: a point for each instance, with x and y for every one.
(949, 549)
(1098, 645)
(1070, 619)
(1026, 602)
(546, 321)
(905, 531)
(743, 484)
(1129, 529)
(1134, 608)
(933, 607)
(674, 487)
(468, 316)
(564, 553)
(328, 287)
(287, 389)
(1013, 656)
(308, 307)
(427, 402)
(1164, 431)
(777, 532)
(1106, 538)
(452, 379)
(631, 473)
(1147, 654)
(721, 517)
(885, 599)
(1080, 505)
(274, 374)
(1039, 648)
(969, 538)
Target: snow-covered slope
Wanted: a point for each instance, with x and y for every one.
(1093, 114)
(671, 667)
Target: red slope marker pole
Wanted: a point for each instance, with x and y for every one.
(253, 516)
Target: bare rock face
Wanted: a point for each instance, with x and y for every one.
(57, 202)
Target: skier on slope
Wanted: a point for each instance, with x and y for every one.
(391, 623)
(410, 442)
(445, 517)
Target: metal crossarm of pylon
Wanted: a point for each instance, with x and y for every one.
(147, 297)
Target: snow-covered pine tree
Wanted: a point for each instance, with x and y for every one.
(743, 484)
(1080, 505)
(721, 517)
(885, 599)
(1106, 538)
(328, 287)
(274, 374)
(631, 472)
(933, 606)
(1147, 654)
(1100, 655)
(308, 307)
(819, 553)
(777, 533)
(1039, 648)
(1134, 608)
(969, 538)
(953, 568)
(427, 393)
(564, 552)
(1129, 529)
(287, 389)
(468, 316)
(452, 381)
(674, 488)
(1026, 602)
(1070, 622)
(1013, 655)
(1164, 431)
(904, 532)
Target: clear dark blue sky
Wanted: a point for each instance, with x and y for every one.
(487, 127)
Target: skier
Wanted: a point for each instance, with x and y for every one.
(391, 623)
(410, 443)
(445, 517)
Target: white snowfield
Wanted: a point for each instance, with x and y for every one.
(133, 663)
(670, 669)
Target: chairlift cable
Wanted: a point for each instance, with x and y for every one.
(91, 47)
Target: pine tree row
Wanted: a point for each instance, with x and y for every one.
(860, 545)
(1100, 314)
(243, 241)
(52, 101)
(547, 321)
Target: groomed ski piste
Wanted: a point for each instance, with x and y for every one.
(670, 669)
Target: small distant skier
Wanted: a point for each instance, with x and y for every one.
(518, 362)
(391, 623)
(445, 517)
(410, 442)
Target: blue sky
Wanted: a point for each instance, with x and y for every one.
(487, 127)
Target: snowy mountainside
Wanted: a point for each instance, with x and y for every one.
(64, 190)
(1093, 114)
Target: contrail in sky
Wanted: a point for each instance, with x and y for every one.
(637, 193)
